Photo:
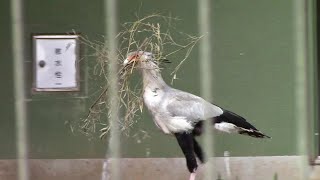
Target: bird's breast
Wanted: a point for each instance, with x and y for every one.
(152, 98)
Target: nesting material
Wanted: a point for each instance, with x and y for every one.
(154, 33)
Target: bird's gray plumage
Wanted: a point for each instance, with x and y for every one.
(190, 106)
(174, 110)
(181, 113)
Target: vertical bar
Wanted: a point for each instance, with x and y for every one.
(114, 141)
(301, 83)
(312, 94)
(19, 87)
(206, 77)
(317, 70)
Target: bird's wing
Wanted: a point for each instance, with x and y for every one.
(190, 106)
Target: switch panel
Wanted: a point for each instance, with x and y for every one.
(56, 62)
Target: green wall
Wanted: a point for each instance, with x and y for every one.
(7, 134)
(253, 69)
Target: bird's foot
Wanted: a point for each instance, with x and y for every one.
(193, 176)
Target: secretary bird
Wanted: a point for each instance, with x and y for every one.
(182, 114)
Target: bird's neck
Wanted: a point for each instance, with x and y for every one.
(152, 78)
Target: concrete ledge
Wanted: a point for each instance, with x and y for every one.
(241, 168)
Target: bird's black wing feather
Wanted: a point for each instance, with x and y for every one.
(235, 119)
(243, 126)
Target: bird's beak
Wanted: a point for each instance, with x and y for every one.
(126, 61)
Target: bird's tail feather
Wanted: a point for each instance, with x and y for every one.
(236, 123)
(253, 133)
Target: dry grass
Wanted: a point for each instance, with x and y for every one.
(152, 33)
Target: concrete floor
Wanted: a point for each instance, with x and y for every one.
(234, 168)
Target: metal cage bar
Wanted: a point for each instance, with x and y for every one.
(19, 87)
(301, 83)
(206, 80)
(114, 141)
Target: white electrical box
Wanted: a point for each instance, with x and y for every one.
(56, 62)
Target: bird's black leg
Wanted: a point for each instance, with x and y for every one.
(198, 151)
(186, 143)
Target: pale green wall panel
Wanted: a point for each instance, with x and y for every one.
(7, 133)
(253, 68)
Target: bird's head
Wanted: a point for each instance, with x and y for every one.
(144, 60)
(138, 57)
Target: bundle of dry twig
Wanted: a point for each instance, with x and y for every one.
(152, 34)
